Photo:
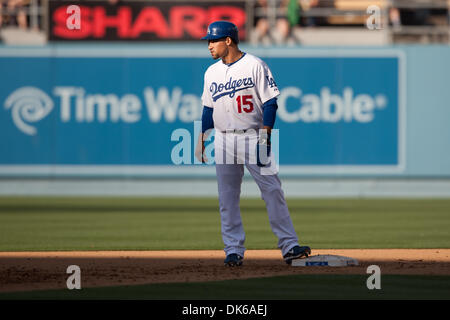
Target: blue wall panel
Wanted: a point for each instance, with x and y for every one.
(341, 112)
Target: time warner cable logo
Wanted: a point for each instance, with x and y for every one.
(29, 105)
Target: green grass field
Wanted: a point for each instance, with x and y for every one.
(40, 224)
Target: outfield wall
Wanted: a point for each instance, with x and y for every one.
(125, 111)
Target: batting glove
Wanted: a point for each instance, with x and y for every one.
(263, 151)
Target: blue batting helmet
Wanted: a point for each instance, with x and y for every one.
(222, 29)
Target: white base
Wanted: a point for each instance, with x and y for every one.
(326, 260)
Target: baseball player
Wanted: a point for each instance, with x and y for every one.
(240, 102)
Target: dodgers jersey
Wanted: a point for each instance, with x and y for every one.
(237, 92)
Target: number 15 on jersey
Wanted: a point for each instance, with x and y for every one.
(244, 103)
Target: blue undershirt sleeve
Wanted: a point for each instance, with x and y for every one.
(269, 112)
(207, 118)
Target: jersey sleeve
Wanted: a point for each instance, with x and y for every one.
(266, 85)
(206, 96)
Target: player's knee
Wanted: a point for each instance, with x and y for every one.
(271, 189)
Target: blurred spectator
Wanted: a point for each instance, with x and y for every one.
(287, 16)
(312, 21)
(420, 16)
(306, 5)
(1, 13)
(19, 22)
(260, 32)
(14, 13)
(435, 19)
(272, 25)
(394, 18)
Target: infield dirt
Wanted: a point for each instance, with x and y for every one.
(24, 271)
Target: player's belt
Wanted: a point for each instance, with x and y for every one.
(239, 131)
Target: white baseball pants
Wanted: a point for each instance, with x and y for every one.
(229, 178)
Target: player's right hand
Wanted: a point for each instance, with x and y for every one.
(200, 149)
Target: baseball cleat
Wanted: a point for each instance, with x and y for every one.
(297, 252)
(233, 260)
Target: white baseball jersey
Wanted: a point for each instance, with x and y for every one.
(237, 92)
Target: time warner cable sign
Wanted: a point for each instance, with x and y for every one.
(93, 112)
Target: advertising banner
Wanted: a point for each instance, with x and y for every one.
(340, 113)
(140, 20)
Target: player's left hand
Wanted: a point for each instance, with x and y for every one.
(263, 151)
